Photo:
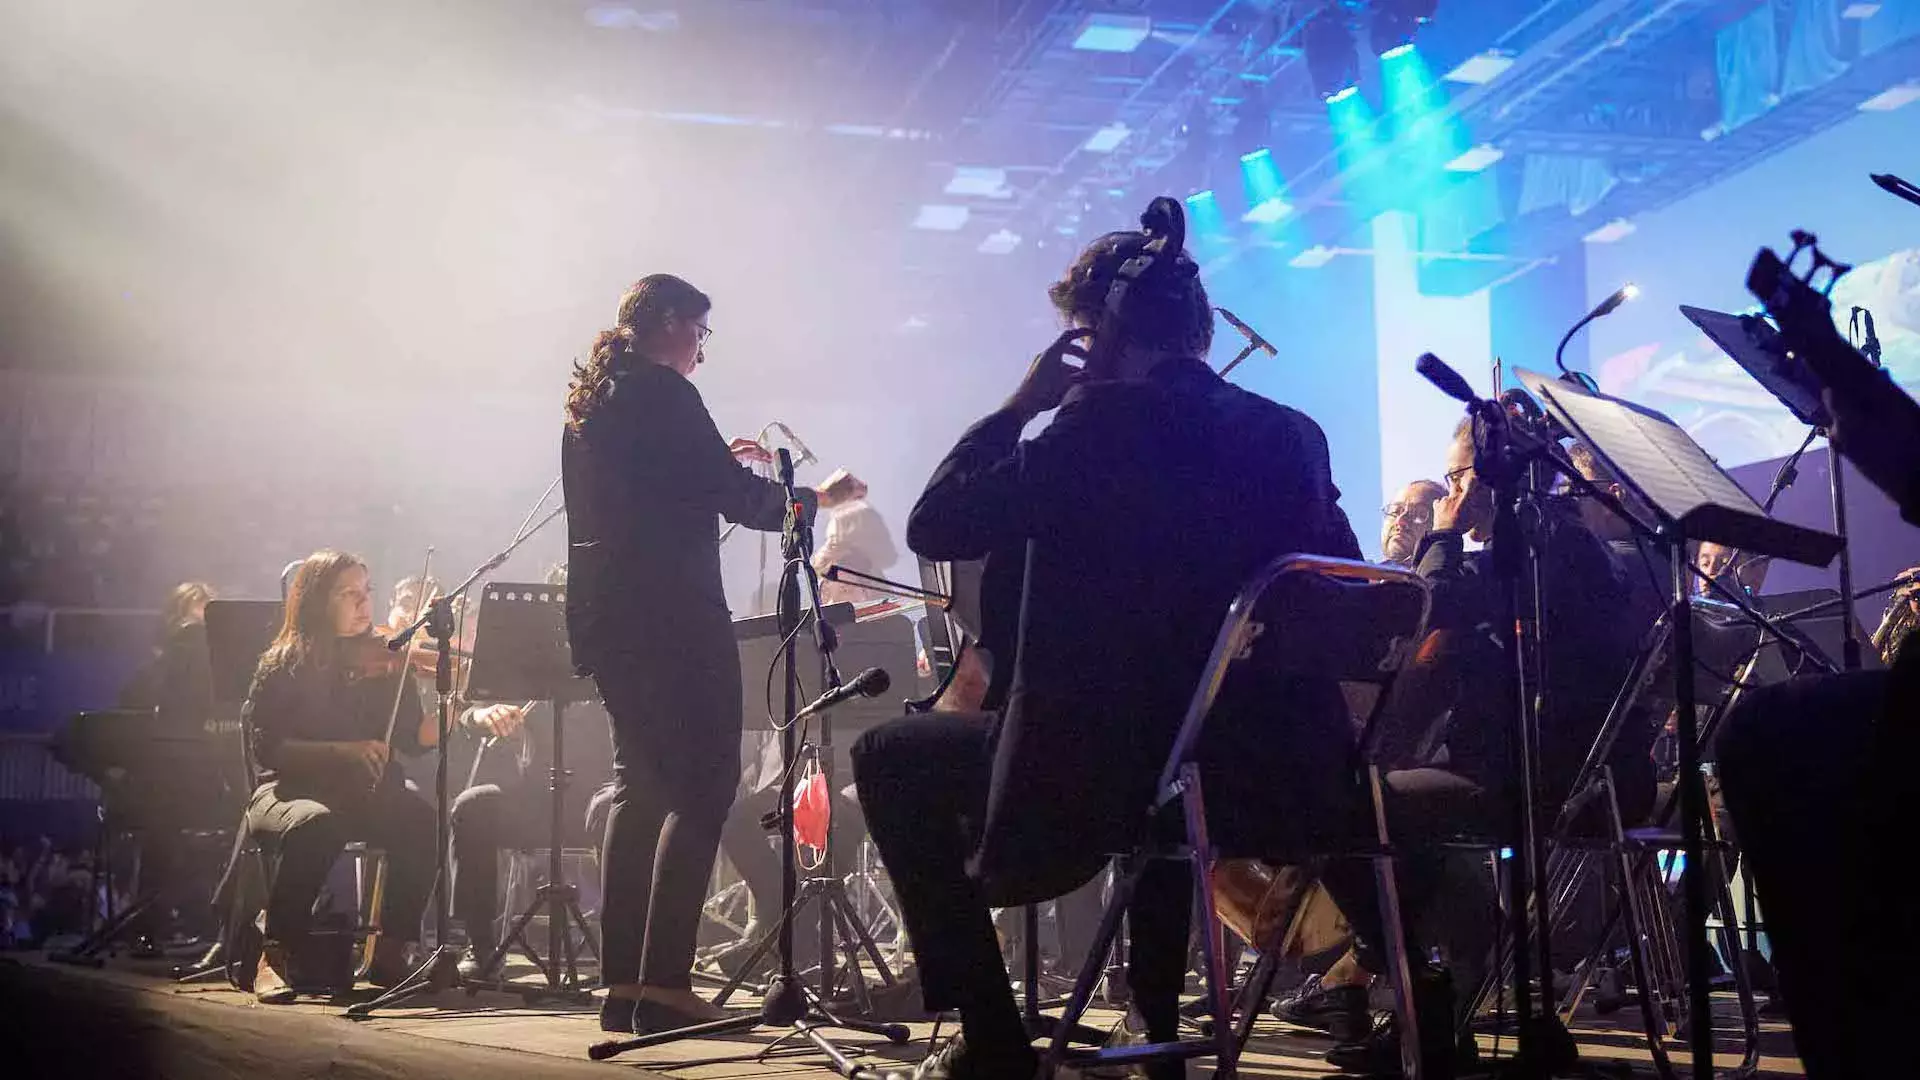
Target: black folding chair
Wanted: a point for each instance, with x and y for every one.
(1301, 615)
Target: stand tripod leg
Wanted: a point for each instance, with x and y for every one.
(560, 907)
(88, 951)
(864, 938)
(586, 928)
(766, 943)
(516, 932)
(440, 971)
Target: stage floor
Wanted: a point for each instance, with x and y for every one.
(127, 1019)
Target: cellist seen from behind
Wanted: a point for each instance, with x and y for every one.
(1154, 493)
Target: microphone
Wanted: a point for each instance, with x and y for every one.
(1450, 382)
(1870, 342)
(870, 683)
(1253, 336)
(1897, 187)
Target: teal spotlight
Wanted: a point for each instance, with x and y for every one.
(1357, 146)
(1343, 94)
(1203, 213)
(1265, 191)
(1397, 50)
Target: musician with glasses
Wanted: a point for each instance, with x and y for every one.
(1145, 521)
(1407, 520)
(1590, 638)
(647, 478)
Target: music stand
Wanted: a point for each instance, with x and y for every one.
(1692, 499)
(520, 653)
(1762, 352)
(238, 632)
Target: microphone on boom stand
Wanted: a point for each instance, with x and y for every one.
(1506, 452)
(1897, 187)
(870, 683)
(1255, 343)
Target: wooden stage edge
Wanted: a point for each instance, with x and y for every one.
(126, 1020)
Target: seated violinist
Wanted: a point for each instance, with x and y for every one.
(1147, 512)
(328, 706)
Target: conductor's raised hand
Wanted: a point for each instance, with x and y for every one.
(749, 451)
(1050, 376)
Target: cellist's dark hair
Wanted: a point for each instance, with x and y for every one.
(646, 305)
(1167, 309)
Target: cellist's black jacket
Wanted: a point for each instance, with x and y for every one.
(1151, 501)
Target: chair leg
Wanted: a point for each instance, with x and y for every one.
(1640, 955)
(1737, 965)
(1252, 995)
(371, 900)
(1225, 1036)
(1093, 968)
(1399, 968)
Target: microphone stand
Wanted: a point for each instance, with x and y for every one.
(1254, 341)
(441, 969)
(1508, 460)
(788, 1001)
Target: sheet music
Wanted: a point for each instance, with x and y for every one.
(1653, 456)
(1662, 465)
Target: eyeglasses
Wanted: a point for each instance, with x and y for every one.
(1415, 511)
(1455, 474)
(704, 331)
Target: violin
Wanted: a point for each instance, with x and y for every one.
(421, 656)
(366, 656)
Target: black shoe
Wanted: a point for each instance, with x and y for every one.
(955, 1060)
(616, 1015)
(1340, 1011)
(1444, 1052)
(1609, 992)
(1379, 1053)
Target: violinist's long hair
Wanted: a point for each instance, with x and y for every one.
(306, 629)
(645, 307)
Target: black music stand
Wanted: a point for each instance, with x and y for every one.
(1762, 353)
(238, 631)
(138, 766)
(520, 654)
(1692, 500)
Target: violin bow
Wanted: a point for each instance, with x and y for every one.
(404, 683)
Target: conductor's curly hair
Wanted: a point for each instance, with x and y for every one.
(647, 304)
(1165, 310)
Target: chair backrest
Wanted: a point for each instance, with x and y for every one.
(1312, 616)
